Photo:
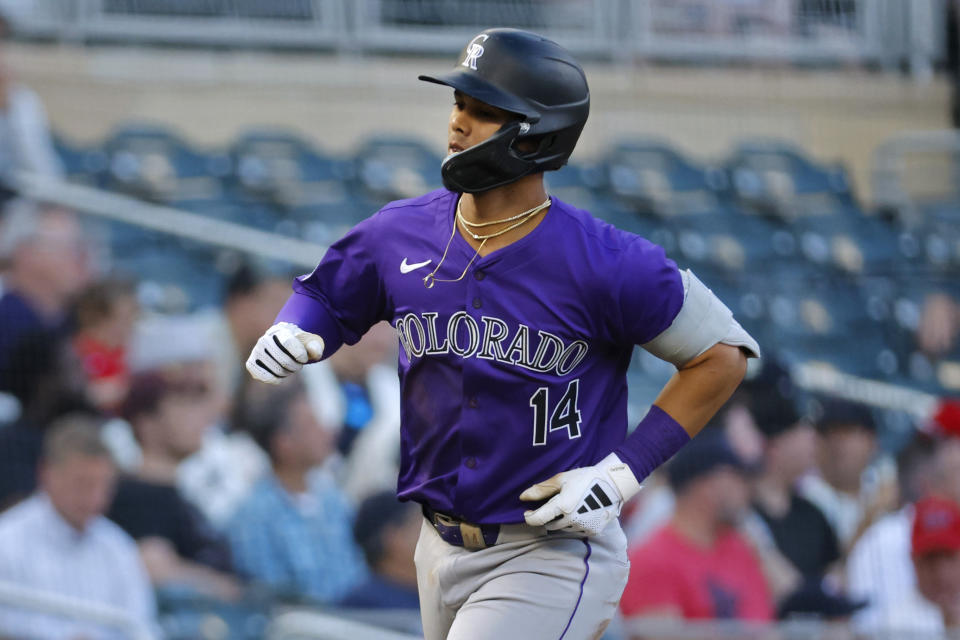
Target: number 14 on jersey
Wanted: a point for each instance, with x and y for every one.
(565, 414)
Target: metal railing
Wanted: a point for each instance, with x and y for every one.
(44, 602)
(787, 31)
(884, 32)
(121, 208)
(799, 629)
(915, 166)
(314, 625)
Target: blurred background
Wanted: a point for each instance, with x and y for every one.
(167, 167)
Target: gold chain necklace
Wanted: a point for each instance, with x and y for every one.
(522, 218)
(510, 219)
(430, 279)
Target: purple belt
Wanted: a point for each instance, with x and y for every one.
(459, 533)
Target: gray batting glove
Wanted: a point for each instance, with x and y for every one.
(282, 351)
(584, 500)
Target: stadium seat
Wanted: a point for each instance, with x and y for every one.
(827, 319)
(576, 185)
(933, 245)
(337, 217)
(185, 614)
(175, 275)
(943, 211)
(732, 241)
(280, 168)
(848, 245)
(81, 165)
(153, 163)
(775, 178)
(653, 178)
(395, 167)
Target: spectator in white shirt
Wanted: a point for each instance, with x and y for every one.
(58, 542)
(25, 142)
(879, 569)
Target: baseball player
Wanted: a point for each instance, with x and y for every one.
(517, 315)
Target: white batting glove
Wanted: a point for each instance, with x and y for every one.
(282, 351)
(585, 500)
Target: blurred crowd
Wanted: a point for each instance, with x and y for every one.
(786, 508)
(140, 465)
(136, 458)
(141, 469)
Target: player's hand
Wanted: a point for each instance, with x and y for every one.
(282, 351)
(583, 500)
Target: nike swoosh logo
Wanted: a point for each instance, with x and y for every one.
(407, 268)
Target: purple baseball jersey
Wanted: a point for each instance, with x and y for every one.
(511, 375)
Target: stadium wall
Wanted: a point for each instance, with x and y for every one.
(338, 101)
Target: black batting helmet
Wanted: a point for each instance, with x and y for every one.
(525, 74)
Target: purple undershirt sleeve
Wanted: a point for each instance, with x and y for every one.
(653, 442)
(312, 315)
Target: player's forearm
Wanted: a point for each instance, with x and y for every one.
(698, 390)
(684, 406)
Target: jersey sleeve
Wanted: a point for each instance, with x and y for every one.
(345, 295)
(648, 293)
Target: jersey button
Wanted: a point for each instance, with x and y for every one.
(471, 463)
(479, 275)
(472, 402)
(476, 303)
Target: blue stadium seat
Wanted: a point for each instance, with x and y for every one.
(576, 185)
(933, 245)
(154, 163)
(848, 245)
(748, 304)
(829, 319)
(175, 275)
(653, 178)
(81, 165)
(185, 614)
(326, 222)
(395, 167)
(280, 168)
(732, 241)
(942, 211)
(587, 176)
(776, 178)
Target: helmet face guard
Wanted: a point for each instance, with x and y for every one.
(488, 165)
(528, 75)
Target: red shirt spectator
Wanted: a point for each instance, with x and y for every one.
(699, 565)
(100, 360)
(672, 573)
(106, 312)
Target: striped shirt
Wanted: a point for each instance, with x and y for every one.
(880, 570)
(39, 550)
(298, 543)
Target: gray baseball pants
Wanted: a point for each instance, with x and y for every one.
(530, 585)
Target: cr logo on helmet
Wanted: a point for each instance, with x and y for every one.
(474, 51)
